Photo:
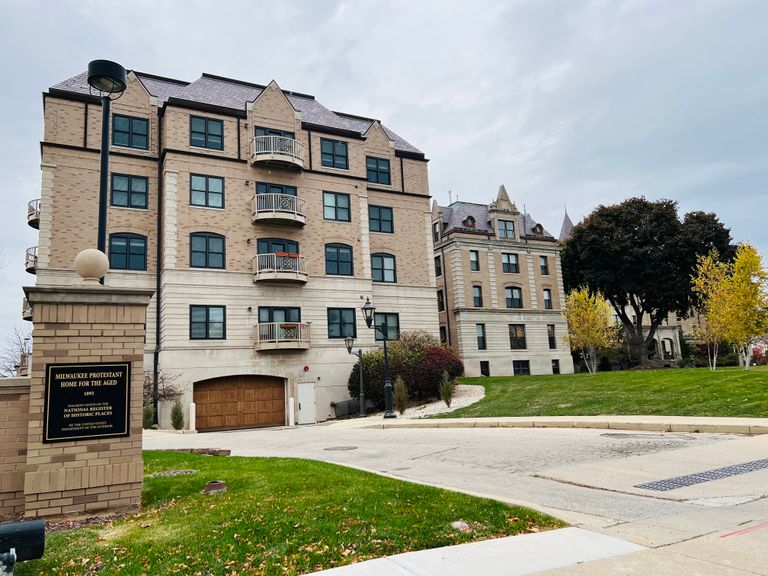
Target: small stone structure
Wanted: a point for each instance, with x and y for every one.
(78, 328)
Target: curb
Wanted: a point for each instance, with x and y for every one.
(691, 426)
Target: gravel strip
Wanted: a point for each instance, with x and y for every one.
(464, 396)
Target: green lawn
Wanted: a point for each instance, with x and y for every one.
(671, 392)
(278, 517)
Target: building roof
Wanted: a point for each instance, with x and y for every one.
(455, 217)
(235, 94)
(566, 228)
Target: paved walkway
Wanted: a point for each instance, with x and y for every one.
(586, 470)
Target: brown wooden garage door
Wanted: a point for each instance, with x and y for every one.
(239, 402)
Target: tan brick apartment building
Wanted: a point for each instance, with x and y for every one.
(259, 216)
(499, 289)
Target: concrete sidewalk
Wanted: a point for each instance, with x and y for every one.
(511, 556)
(682, 424)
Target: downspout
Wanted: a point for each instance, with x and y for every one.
(158, 265)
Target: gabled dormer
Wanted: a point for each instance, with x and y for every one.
(275, 124)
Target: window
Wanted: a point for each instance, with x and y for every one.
(480, 331)
(127, 252)
(474, 260)
(521, 367)
(130, 132)
(129, 191)
(341, 323)
(206, 250)
(547, 299)
(485, 368)
(378, 170)
(206, 191)
(336, 206)
(440, 301)
(555, 366)
(443, 335)
(477, 296)
(380, 219)
(334, 154)
(514, 297)
(338, 259)
(438, 266)
(207, 322)
(258, 131)
(544, 265)
(393, 325)
(265, 188)
(506, 229)
(551, 336)
(206, 133)
(510, 264)
(436, 232)
(383, 268)
(273, 245)
(279, 314)
(517, 336)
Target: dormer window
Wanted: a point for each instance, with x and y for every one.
(538, 230)
(469, 222)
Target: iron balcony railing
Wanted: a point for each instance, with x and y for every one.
(282, 335)
(278, 149)
(30, 260)
(280, 266)
(276, 206)
(33, 213)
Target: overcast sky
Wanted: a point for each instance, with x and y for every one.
(575, 103)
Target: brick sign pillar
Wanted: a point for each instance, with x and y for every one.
(85, 400)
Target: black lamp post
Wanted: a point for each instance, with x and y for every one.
(350, 341)
(368, 310)
(108, 78)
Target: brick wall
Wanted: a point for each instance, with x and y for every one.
(14, 413)
(84, 325)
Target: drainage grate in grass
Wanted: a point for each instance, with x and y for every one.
(172, 473)
(706, 476)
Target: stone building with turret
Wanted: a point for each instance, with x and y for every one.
(499, 289)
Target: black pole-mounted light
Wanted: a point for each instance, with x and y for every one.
(349, 341)
(106, 76)
(368, 310)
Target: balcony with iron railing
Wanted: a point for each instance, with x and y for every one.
(279, 150)
(30, 260)
(281, 336)
(278, 208)
(280, 267)
(33, 213)
(26, 310)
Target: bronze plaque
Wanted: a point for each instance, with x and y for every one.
(86, 401)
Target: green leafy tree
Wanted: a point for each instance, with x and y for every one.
(641, 256)
(590, 327)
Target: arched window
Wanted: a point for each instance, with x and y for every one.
(206, 250)
(383, 267)
(338, 260)
(127, 251)
(514, 296)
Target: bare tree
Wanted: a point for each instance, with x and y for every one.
(166, 388)
(15, 352)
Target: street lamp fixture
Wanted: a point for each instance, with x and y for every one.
(349, 341)
(109, 79)
(368, 310)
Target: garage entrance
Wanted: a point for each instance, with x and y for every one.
(234, 402)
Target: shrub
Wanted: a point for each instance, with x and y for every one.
(400, 396)
(147, 416)
(447, 388)
(177, 416)
(416, 358)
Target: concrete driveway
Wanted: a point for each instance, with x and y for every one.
(587, 477)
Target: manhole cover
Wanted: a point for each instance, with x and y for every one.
(340, 448)
(172, 473)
